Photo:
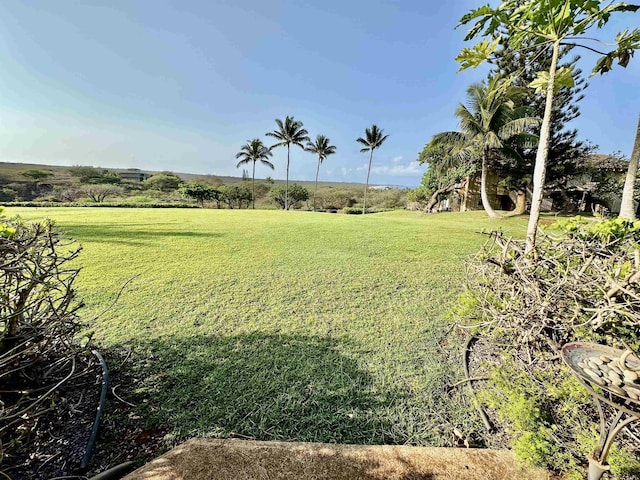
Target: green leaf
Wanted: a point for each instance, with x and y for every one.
(563, 78)
(478, 54)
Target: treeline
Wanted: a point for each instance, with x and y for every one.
(90, 185)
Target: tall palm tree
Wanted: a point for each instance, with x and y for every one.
(373, 140)
(289, 132)
(251, 152)
(627, 209)
(489, 124)
(321, 148)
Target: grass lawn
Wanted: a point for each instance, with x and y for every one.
(281, 325)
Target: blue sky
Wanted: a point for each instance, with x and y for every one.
(181, 85)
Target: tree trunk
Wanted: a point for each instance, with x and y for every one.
(627, 209)
(465, 197)
(483, 188)
(316, 190)
(434, 198)
(253, 186)
(539, 171)
(366, 186)
(286, 185)
(521, 203)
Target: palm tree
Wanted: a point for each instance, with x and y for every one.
(251, 152)
(289, 132)
(374, 140)
(321, 148)
(489, 123)
(627, 209)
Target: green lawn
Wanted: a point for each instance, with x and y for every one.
(281, 325)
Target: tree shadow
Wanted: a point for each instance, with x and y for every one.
(124, 234)
(255, 385)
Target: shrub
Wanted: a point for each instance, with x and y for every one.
(38, 309)
(582, 285)
(297, 194)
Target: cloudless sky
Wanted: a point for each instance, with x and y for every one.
(181, 85)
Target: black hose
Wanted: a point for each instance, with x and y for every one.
(115, 473)
(465, 359)
(96, 422)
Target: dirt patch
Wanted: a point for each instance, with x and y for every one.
(207, 459)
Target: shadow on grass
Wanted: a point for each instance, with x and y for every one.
(259, 386)
(123, 234)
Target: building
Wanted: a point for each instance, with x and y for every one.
(133, 175)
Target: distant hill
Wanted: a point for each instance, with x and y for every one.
(10, 172)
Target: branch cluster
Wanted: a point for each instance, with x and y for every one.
(37, 323)
(585, 284)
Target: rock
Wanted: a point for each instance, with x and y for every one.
(630, 376)
(614, 376)
(595, 376)
(618, 390)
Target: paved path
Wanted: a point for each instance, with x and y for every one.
(207, 459)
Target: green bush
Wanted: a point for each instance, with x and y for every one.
(582, 284)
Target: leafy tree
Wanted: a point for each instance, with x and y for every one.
(289, 132)
(36, 176)
(548, 25)
(98, 193)
(321, 148)
(443, 174)
(236, 194)
(490, 125)
(251, 152)
(296, 194)
(627, 207)
(95, 175)
(67, 194)
(165, 182)
(565, 150)
(373, 139)
(200, 192)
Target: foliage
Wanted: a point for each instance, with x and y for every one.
(289, 132)
(583, 285)
(565, 150)
(442, 172)
(35, 175)
(490, 126)
(99, 192)
(547, 25)
(297, 194)
(252, 152)
(200, 192)
(548, 22)
(163, 181)
(94, 175)
(67, 194)
(358, 211)
(38, 310)
(322, 148)
(373, 139)
(235, 195)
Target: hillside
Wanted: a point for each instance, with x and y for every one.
(10, 172)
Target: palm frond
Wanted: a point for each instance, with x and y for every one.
(517, 126)
(451, 139)
(267, 163)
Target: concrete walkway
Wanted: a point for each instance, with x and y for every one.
(207, 459)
